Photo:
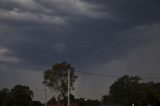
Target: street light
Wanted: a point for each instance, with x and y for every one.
(85, 101)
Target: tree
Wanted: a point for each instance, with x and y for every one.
(106, 99)
(150, 92)
(128, 90)
(52, 101)
(72, 98)
(56, 78)
(36, 103)
(124, 90)
(18, 96)
(21, 96)
(87, 102)
(4, 97)
(157, 93)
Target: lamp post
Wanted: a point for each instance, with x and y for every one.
(68, 87)
(85, 100)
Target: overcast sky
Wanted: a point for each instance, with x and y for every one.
(113, 37)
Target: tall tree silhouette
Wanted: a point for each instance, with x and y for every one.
(56, 78)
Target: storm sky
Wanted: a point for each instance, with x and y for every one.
(112, 37)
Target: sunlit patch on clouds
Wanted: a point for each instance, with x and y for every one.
(30, 17)
(24, 5)
(58, 11)
(6, 57)
(78, 7)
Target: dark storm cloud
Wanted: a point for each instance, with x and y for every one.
(32, 27)
(82, 39)
(142, 12)
(133, 12)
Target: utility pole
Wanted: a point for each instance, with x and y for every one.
(45, 91)
(68, 87)
(58, 100)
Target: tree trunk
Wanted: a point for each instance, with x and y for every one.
(65, 100)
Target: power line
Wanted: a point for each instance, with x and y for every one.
(110, 76)
(95, 74)
(148, 78)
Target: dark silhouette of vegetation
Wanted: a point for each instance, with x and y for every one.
(129, 90)
(125, 91)
(52, 101)
(37, 103)
(72, 98)
(87, 102)
(18, 96)
(58, 100)
(56, 79)
(5, 97)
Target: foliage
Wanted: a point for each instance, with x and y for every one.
(21, 96)
(52, 101)
(18, 96)
(87, 102)
(124, 90)
(4, 97)
(128, 90)
(106, 99)
(72, 98)
(36, 103)
(56, 78)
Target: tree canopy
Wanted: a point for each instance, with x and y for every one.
(20, 95)
(129, 90)
(4, 97)
(36, 103)
(56, 78)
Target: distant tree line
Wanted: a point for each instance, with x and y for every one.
(129, 90)
(125, 91)
(20, 95)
